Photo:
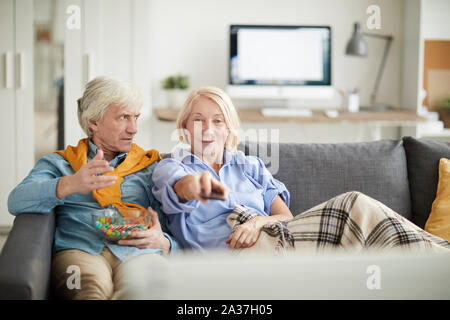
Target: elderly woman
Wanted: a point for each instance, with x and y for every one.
(248, 199)
(106, 169)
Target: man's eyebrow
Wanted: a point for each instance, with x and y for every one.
(130, 114)
(200, 114)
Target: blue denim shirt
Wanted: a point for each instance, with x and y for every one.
(74, 225)
(203, 225)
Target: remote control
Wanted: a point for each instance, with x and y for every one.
(213, 196)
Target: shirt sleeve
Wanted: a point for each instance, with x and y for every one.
(174, 245)
(256, 169)
(156, 205)
(166, 173)
(37, 192)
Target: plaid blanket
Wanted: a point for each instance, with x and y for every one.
(351, 221)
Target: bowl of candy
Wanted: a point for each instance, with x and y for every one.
(116, 226)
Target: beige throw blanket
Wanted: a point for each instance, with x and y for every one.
(351, 222)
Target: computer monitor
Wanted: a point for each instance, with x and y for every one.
(280, 62)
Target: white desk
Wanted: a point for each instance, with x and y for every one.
(347, 127)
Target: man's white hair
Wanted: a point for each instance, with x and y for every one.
(101, 93)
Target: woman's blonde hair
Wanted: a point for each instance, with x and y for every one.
(102, 92)
(226, 106)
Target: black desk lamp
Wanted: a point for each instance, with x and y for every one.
(357, 46)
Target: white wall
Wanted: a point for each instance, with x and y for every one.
(435, 19)
(146, 40)
(412, 55)
(423, 20)
(192, 37)
(114, 35)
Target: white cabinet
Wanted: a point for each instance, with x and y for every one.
(16, 97)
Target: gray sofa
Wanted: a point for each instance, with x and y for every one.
(402, 174)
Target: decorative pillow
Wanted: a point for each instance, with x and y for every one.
(438, 223)
(423, 168)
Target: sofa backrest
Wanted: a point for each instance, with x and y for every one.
(314, 173)
(423, 172)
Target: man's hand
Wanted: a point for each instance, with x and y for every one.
(87, 179)
(191, 187)
(152, 238)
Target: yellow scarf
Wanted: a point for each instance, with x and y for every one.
(136, 159)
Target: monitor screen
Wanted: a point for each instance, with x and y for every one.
(280, 55)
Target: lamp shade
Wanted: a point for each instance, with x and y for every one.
(357, 46)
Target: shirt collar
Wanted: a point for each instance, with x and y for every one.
(93, 151)
(184, 155)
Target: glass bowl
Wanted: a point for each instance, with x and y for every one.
(113, 226)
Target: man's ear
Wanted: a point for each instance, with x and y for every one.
(93, 125)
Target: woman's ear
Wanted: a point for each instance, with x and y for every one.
(229, 139)
(183, 135)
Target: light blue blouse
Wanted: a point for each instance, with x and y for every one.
(74, 225)
(203, 225)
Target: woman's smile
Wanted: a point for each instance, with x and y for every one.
(207, 142)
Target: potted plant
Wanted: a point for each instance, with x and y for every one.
(444, 111)
(176, 90)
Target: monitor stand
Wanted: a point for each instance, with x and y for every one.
(286, 112)
(275, 103)
(282, 108)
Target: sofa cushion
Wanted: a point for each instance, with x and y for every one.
(438, 222)
(314, 173)
(423, 166)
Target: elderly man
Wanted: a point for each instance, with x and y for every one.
(106, 169)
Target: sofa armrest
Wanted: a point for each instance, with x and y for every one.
(25, 261)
